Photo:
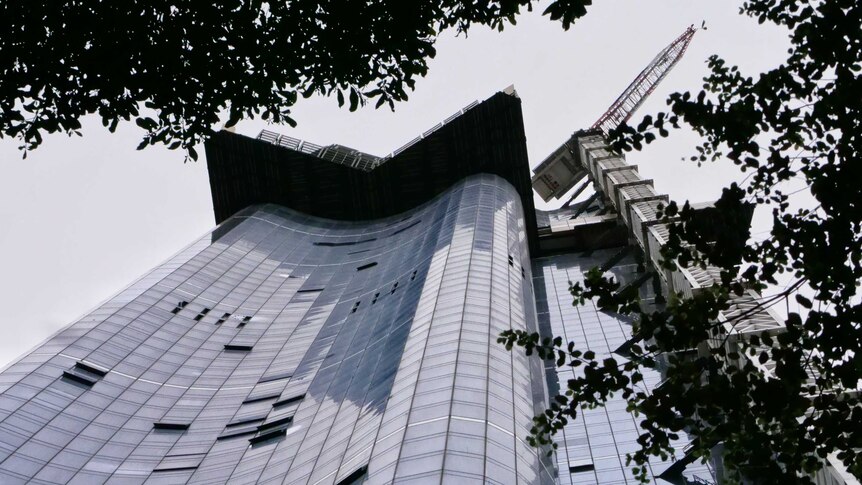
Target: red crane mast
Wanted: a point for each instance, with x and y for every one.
(633, 97)
(559, 172)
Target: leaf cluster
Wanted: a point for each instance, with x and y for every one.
(176, 67)
(778, 401)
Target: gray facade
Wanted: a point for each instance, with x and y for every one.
(592, 450)
(341, 328)
(284, 348)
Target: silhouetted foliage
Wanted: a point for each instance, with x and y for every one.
(174, 67)
(799, 121)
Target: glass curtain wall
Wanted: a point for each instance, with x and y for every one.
(283, 348)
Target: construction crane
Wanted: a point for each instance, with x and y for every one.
(633, 97)
(558, 172)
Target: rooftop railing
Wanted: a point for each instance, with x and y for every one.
(347, 156)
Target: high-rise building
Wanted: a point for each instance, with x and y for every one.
(339, 325)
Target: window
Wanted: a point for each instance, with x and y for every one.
(180, 462)
(355, 477)
(171, 426)
(238, 348)
(290, 400)
(179, 307)
(408, 226)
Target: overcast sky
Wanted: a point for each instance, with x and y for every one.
(84, 217)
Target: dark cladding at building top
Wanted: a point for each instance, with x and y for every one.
(487, 138)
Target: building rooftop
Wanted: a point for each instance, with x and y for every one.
(336, 182)
(341, 183)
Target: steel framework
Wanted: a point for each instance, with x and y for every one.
(643, 85)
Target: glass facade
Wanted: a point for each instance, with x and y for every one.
(283, 348)
(315, 337)
(342, 327)
(592, 449)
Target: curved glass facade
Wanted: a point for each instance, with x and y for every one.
(315, 337)
(283, 348)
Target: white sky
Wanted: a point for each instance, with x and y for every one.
(84, 217)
